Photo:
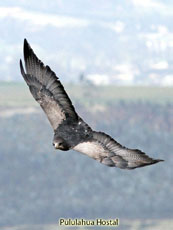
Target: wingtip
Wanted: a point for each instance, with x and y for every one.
(26, 49)
(159, 160)
(21, 68)
(155, 161)
(20, 62)
(26, 44)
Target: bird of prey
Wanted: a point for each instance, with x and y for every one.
(70, 131)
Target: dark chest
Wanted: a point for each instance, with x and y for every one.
(74, 132)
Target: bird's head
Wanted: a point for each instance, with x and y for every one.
(60, 143)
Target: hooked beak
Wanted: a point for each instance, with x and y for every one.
(56, 145)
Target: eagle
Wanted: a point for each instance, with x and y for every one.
(70, 131)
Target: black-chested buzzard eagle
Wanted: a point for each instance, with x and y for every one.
(70, 131)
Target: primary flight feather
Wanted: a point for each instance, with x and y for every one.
(70, 131)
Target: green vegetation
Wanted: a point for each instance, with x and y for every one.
(17, 94)
(39, 185)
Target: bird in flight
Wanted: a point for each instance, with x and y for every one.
(70, 131)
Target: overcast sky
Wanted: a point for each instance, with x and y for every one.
(121, 42)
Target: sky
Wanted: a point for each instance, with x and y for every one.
(106, 42)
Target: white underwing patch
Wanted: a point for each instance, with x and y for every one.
(92, 149)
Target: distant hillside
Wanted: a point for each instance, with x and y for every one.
(39, 185)
(17, 94)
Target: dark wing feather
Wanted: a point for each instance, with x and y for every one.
(46, 89)
(109, 152)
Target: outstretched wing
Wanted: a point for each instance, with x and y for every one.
(109, 152)
(46, 89)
